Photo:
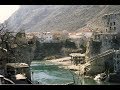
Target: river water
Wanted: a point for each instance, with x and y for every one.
(46, 73)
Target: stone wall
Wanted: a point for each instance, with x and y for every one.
(18, 48)
(99, 65)
(111, 23)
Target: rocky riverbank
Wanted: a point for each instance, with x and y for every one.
(66, 63)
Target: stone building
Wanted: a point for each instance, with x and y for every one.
(105, 42)
(46, 37)
(111, 23)
(43, 37)
(21, 38)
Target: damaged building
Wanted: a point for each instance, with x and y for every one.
(102, 46)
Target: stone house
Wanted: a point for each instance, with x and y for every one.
(111, 23)
(46, 37)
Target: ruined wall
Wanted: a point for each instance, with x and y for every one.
(19, 50)
(99, 65)
(93, 48)
(108, 38)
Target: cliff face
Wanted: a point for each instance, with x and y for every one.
(58, 17)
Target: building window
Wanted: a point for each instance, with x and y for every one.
(110, 24)
(113, 23)
(114, 28)
(117, 62)
(107, 23)
(106, 30)
(117, 56)
(110, 28)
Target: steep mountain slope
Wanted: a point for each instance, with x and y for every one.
(58, 17)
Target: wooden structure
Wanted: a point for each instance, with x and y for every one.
(77, 58)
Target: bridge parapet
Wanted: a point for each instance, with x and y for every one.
(101, 55)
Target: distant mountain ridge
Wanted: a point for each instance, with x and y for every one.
(58, 17)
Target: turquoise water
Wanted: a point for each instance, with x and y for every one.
(46, 73)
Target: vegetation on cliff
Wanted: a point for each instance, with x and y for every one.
(56, 50)
(16, 46)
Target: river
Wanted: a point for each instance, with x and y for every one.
(47, 73)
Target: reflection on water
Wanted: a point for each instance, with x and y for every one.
(47, 73)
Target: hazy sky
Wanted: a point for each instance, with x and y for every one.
(6, 11)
